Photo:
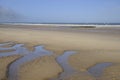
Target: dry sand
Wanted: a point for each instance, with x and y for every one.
(83, 60)
(92, 45)
(4, 62)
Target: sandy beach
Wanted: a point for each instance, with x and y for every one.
(93, 46)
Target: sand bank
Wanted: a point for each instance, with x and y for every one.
(111, 73)
(40, 69)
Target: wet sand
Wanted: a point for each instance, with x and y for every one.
(14, 68)
(43, 68)
(93, 45)
(2, 51)
(4, 62)
(111, 73)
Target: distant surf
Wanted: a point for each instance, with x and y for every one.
(64, 24)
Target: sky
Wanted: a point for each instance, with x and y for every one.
(60, 11)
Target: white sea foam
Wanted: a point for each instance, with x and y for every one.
(72, 25)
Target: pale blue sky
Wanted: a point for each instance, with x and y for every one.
(67, 11)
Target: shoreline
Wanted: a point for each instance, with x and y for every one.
(64, 25)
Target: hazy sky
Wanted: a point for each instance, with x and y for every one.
(68, 11)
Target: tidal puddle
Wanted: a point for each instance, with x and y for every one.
(6, 44)
(15, 66)
(98, 69)
(19, 49)
(63, 62)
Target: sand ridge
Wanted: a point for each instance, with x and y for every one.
(42, 69)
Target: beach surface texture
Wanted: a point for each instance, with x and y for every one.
(93, 45)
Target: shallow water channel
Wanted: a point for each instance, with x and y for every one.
(7, 43)
(39, 51)
(13, 69)
(63, 62)
(19, 49)
(98, 69)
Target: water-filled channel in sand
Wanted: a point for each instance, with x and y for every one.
(39, 51)
(13, 69)
(4, 44)
(28, 56)
(19, 49)
(98, 69)
(63, 62)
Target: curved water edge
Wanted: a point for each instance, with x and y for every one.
(19, 49)
(63, 62)
(6, 43)
(14, 67)
(98, 69)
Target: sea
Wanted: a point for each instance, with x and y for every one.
(63, 24)
(60, 23)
